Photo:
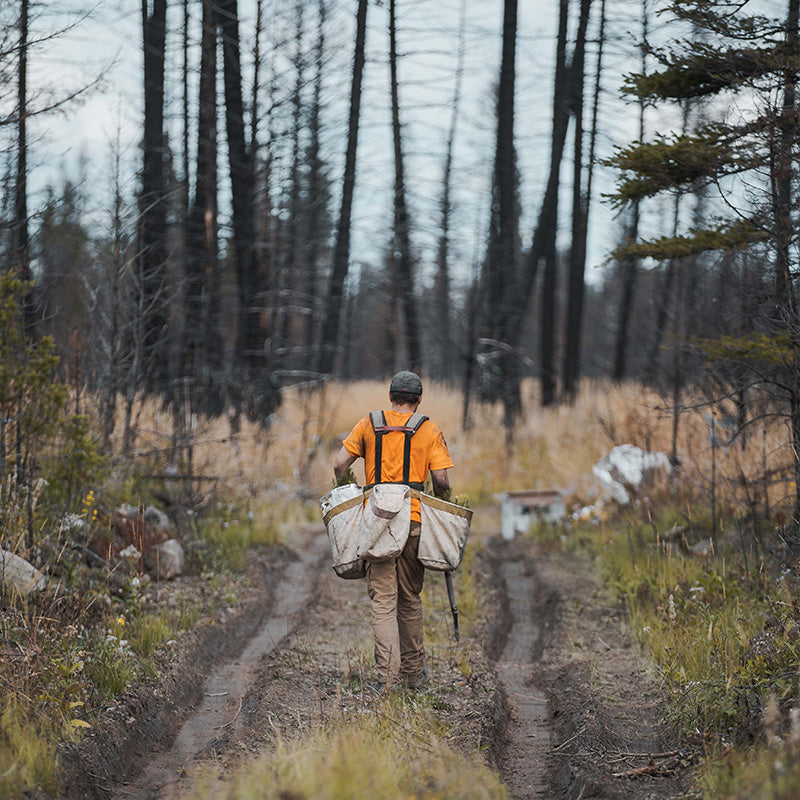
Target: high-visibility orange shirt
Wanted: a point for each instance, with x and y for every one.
(428, 451)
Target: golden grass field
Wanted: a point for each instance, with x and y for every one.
(553, 448)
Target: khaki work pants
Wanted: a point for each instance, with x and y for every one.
(394, 587)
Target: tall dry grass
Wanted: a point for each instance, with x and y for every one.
(553, 448)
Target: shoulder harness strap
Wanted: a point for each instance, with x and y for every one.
(380, 428)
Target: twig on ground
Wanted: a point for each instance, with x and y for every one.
(571, 738)
(233, 719)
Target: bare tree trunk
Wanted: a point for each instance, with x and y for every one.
(401, 251)
(580, 214)
(442, 287)
(152, 201)
(499, 279)
(20, 239)
(293, 262)
(341, 256)
(203, 350)
(630, 267)
(317, 192)
(651, 369)
(543, 247)
(261, 395)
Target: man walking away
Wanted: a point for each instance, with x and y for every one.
(395, 585)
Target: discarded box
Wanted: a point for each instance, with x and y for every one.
(518, 508)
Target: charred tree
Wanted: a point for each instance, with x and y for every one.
(543, 246)
(576, 265)
(255, 377)
(202, 340)
(317, 226)
(630, 265)
(445, 360)
(20, 244)
(498, 282)
(152, 202)
(341, 255)
(401, 249)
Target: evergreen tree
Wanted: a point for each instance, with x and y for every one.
(741, 156)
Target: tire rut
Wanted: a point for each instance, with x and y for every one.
(208, 728)
(523, 755)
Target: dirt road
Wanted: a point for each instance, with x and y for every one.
(300, 651)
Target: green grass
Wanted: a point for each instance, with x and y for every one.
(232, 531)
(27, 753)
(697, 616)
(766, 773)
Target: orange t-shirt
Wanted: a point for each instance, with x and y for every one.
(428, 451)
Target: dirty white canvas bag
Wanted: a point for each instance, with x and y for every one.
(342, 511)
(445, 529)
(385, 522)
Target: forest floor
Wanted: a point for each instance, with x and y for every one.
(550, 688)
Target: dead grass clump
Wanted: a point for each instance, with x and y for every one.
(389, 753)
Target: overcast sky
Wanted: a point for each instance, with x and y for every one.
(108, 42)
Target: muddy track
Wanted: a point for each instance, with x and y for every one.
(526, 739)
(228, 685)
(297, 654)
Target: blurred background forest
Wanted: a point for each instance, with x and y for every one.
(486, 193)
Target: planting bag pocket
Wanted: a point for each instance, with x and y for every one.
(342, 512)
(385, 522)
(445, 529)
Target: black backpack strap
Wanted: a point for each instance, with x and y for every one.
(380, 428)
(412, 424)
(378, 421)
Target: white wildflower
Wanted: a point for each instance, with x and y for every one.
(672, 613)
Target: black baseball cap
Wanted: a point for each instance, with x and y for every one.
(405, 381)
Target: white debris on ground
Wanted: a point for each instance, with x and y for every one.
(627, 468)
(624, 471)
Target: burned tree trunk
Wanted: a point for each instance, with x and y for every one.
(260, 392)
(576, 267)
(442, 287)
(630, 266)
(401, 250)
(341, 256)
(152, 201)
(203, 347)
(499, 279)
(543, 247)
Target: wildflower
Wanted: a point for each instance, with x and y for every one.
(120, 620)
(646, 629)
(135, 581)
(672, 613)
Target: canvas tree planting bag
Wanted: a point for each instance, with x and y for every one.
(342, 512)
(445, 529)
(385, 522)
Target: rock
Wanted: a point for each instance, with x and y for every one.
(19, 575)
(166, 560)
(155, 516)
(628, 468)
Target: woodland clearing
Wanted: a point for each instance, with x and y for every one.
(255, 677)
